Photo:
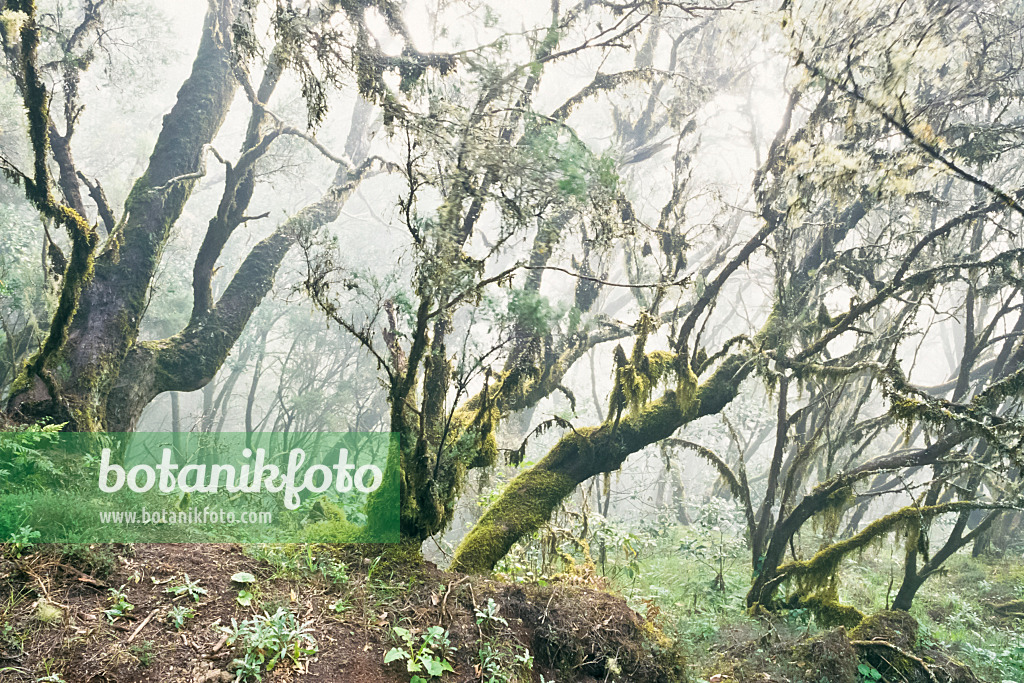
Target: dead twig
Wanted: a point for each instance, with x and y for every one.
(444, 600)
(141, 626)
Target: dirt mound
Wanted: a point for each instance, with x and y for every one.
(108, 614)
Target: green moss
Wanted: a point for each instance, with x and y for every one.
(829, 612)
(525, 506)
(333, 531)
(48, 613)
(894, 626)
(828, 518)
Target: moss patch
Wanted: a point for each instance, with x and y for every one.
(894, 626)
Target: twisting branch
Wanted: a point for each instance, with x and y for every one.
(102, 204)
(901, 125)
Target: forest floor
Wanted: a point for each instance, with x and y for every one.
(320, 613)
(970, 611)
(327, 614)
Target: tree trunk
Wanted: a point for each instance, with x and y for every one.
(530, 499)
(75, 379)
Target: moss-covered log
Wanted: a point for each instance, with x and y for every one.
(530, 499)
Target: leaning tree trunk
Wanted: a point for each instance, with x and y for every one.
(530, 499)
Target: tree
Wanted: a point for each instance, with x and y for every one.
(92, 371)
(841, 196)
(470, 344)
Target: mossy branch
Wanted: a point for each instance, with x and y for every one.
(820, 569)
(38, 190)
(530, 499)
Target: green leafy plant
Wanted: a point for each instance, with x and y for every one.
(22, 539)
(268, 639)
(144, 653)
(340, 606)
(868, 674)
(500, 664)
(120, 607)
(247, 593)
(1007, 661)
(187, 587)
(488, 616)
(178, 614)
(427, 656)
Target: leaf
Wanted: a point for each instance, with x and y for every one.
(433, 667)
(394, 654)
(875, 674)
(417, 679)
(244, 598)
(243, 577)
(864, 669)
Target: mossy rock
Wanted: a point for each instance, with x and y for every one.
(893, 626)
(829, 657)
(48, 613)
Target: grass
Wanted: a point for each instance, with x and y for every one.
(706, 612)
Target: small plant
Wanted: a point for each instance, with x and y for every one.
(868, 674)
(144, 653)
(187, 587)
(52, 678)
(120, 607)
(266, 640)
(498, 664)
(340, 606)
(428, 657)
(247, 593)
(24, 538)
(488, 616)
(178, 614)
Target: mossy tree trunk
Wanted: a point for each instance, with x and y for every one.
(71, 382)
(93, 372)
(530, 499)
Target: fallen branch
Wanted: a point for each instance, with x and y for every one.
(141, 626)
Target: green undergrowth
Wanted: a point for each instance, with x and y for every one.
(696, 580)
